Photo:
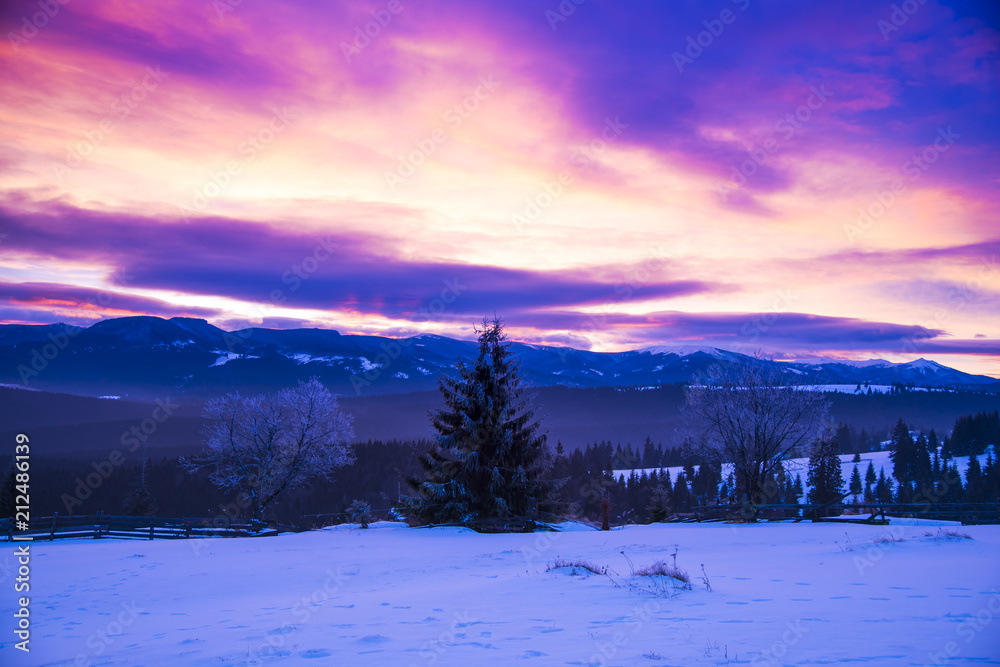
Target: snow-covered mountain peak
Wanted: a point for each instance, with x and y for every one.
(686, 350)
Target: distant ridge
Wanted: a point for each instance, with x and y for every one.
(150, 357)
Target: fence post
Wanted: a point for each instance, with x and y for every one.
(55, 520)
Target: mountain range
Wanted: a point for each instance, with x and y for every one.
(149, 357)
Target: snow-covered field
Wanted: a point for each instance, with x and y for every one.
(782, 594)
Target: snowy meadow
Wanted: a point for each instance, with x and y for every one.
(910, 593)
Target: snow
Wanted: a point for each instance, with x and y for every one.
(367, 365)
(685, 350)
(924, 365)
(225, 357)
(302, 358)
(782, 594)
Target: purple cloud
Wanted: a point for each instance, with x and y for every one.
(262, 264)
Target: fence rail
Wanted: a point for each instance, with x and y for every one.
(130, 527)
(966, 513)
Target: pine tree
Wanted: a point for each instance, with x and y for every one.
(902, 453)
(991, 478)
(489, 460)
(883, 488)
(798, 489)
(975, 488)
(923, 475)
(954, 490)
(659, 503)
(681, 497)
(870, 477)
(824, 474)
(856, 487)
(650, 456)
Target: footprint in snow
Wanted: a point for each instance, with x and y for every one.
(315, 653)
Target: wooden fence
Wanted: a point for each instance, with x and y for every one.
(966, 513)
(131, 527)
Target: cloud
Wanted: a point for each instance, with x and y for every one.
(357, 273)
(790, 331)
(74, 304)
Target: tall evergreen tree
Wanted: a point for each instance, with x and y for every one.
(650, 455)
(490, 459)
(991, 478)
(856, 487)
(883, 488)
(797, 488)
(870, 477)
(681, 496)
(975, 487)
(824, 474)
(911, 463)
(659, 503)
(902, 453)
(923, 469)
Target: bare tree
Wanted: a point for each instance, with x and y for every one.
(750, 416)
(267, 445)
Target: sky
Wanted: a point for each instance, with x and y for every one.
(799, 179)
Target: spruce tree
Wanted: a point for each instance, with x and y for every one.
(489, 459)
(953, 484)
(883, 488)
(856, 487)
(991, 478)
(824, 474)
(797, 488)
(681, 496)
(870, 477)
(659, 503)
(649, 458)
(902, 453)
(923, 475)
(975, 488)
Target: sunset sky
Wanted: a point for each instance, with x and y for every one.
(805, 179)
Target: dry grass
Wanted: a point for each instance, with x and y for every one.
(663, 569)
(948, 534)
(575, 565)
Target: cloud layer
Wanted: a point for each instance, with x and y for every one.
(611, 175)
